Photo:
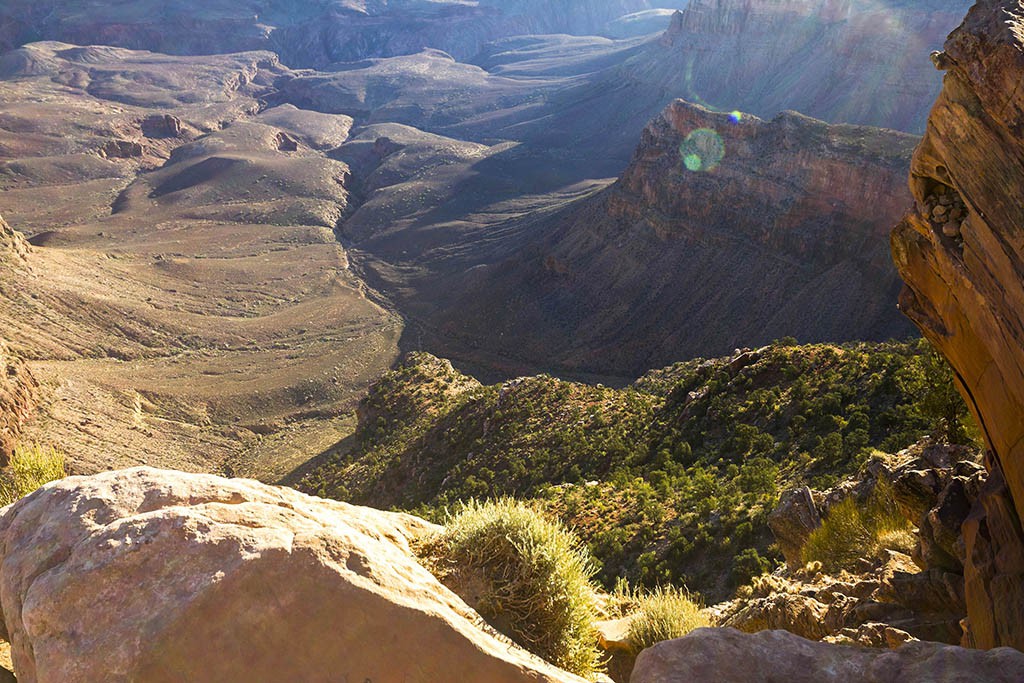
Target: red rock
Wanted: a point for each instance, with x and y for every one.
(966, 294)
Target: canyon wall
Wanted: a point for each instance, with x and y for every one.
(306, 32)
(819, 57)
(724, 231)
(964, 288)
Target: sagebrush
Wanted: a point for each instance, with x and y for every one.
(853, 530)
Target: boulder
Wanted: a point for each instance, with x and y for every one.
(792, 521)
(797, 614)
(727, 656)
(160, 576)
(122, 149)
(161, 126)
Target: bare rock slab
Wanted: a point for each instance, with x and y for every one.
(724, 655)
(156, 576)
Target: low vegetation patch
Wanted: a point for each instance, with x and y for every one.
(529, 577)
(668, 481)
(664, 614)
(854, 530)
(30, 467)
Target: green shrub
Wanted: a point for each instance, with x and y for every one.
(664, 614)
(30, 467)
(530, 579)
(747, 564)
(852, 531)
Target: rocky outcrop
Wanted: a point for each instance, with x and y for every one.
(18, 393)
(14, 247)
(792, 521)
(18, 387)
(728, 656)
(151, 575)
(964, 287)
(889, 598)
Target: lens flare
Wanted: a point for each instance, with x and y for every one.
(736, 116)
(702, 150)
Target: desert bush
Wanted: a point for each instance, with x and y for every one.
(664, 614)
(531, 579)
(854, 530)
(747, 564)
(30, 467)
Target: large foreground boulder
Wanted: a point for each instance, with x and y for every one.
(155, 576)
(722, 655)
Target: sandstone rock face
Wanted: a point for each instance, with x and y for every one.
(964, 286)
(728, 656)
(151, 575)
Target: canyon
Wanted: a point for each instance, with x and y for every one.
(228, 251)
(227, 225)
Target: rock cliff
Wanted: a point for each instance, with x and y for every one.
(152, 575)
(307, 32)
(963, 277)
(724, 231)
(18, 387)
(820, 57)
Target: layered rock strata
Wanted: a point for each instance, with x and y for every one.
(724, 231)
(965, 286)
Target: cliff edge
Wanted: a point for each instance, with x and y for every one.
(961, 254)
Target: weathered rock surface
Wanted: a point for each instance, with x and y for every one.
(964, 287)
(728, 656)
(13, 246)
(18, 387)
(18, 392)
(792, 521)
(152, 575)
(892, 597)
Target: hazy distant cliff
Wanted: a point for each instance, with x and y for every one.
(306, 32)
(819, 57)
